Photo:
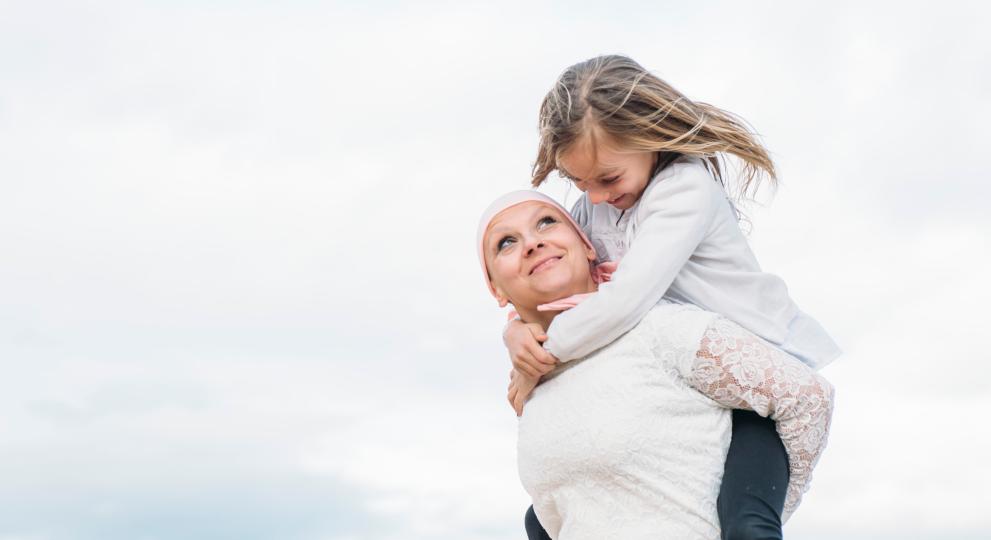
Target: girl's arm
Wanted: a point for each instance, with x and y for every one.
(679, 207)
(523, 340)
(739, 370)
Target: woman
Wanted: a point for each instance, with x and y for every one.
(630, 441)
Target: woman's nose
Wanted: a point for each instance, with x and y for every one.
(533, 246)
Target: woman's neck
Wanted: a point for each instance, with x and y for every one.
(530, 314)
(543, 318)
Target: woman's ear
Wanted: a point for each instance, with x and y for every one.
(500, 297)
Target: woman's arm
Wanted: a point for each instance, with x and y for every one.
(521, 386)
(739, 370)
(679, 207)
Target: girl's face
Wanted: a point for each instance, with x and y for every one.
(606, 173)
(535, 256)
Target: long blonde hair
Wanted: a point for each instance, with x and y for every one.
(640, 112)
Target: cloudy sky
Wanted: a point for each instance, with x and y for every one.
(238, 290)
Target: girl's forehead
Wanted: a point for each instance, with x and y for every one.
(588, 160)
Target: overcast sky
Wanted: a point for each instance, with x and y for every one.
(239, 295)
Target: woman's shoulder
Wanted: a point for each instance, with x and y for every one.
(674, 331)
(670, 333)
(669, 312)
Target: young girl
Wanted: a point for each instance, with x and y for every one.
(648, 160)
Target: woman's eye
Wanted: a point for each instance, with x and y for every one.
(504, 243)
(545, 221)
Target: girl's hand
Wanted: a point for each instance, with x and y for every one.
(520, 388)
(527, 355)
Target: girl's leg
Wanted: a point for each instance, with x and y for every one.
(752, 495)
(534, 530)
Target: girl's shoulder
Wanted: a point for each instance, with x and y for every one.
(688, 183)
(686, 172)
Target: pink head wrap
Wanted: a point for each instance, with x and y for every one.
(600, 273)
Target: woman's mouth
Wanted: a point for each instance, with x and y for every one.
(545, 264)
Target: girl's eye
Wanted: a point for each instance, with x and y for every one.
(607, 181)
(504, 243)
(545, 221)
(577, 182)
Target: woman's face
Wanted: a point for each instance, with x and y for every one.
(534, 256)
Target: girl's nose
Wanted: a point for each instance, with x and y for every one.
(597, 196)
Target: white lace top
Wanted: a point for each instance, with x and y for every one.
(630, 442)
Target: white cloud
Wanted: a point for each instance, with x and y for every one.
(236, 255)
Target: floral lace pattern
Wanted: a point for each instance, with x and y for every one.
(619, 445)
(739, 370)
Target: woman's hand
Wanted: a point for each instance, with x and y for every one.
(520, 387)
(528, 356)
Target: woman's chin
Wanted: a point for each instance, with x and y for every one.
(554, 287)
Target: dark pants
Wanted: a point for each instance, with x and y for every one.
(754, 483)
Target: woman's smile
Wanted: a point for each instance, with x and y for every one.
(545, 263)
(534, 253)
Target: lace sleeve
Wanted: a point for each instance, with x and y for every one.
(739, 370)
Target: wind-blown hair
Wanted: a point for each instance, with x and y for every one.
(614, 98)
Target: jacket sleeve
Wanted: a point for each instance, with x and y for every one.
(579, 212)
(673, 215)
(739, 370)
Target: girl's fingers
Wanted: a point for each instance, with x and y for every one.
(543, 356)
(540, 355)
(533, 350)
(542, 368)
(528, 369)
(537, 332)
